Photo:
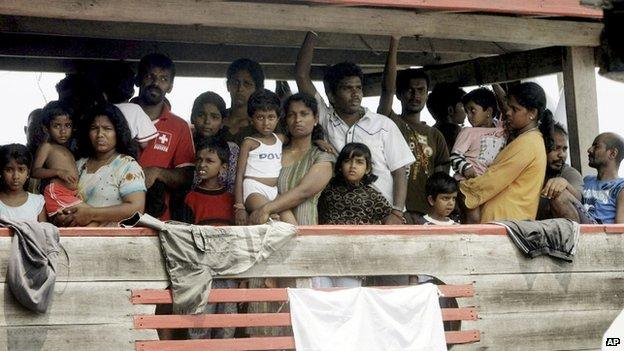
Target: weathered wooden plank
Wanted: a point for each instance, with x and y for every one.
(571, 8)
(151, 296)
(254, 319)
(79, 303)
(333, 230)
(77, 47)
(250, 37)
(324, 18)
(579, 79)
(497, 254)
(140, 258)
(72, 337)
(265, 343)
(486, 70)
(183, 69)
(341, 230)
(575, 330)
(512, 293)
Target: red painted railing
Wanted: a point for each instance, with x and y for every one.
(554, 8)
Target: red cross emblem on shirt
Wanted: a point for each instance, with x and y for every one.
(163, 141)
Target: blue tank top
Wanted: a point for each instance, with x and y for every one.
(600, 197)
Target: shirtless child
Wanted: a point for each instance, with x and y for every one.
(55, 162)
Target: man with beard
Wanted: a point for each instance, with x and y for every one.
(168, 159)
(346, 121)
(559, 175)
(427, 143)
(603, 198)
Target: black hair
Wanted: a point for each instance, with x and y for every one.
(405, 76)
(264, 100)
(483, 97)
(155, 60)
(441, 97)
(117, 81)
(559, 128)
(312, 104)
(305, 98)
(17, 152)
(251, 66)
(35, 133)
(219, 146)
(530, 95)
(208, 97)
(440, 183)
(124, 142)
(355, 150)
(336, 73)
(52, 110)
(614, 141)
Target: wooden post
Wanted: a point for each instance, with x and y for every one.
(579, 79)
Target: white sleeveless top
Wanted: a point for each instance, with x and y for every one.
(29, 210)
(266, 160)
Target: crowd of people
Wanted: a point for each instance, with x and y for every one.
(97, 155)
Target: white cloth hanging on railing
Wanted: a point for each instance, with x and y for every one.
(367, 319)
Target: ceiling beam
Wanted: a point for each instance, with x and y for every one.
(109, 49)
(487, 70)
(183, 69)
(244, 37)
(301, 17)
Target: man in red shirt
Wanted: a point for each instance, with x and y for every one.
(168, 158)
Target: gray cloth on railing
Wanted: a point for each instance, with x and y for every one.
(32, 263)
(194, 254)
(556, 237)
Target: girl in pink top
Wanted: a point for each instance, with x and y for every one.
(477, 147)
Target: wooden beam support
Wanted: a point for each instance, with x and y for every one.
(540, 32)
(30, 45)
(251, 37)
(183, 69)
(569, 8)
(487, 70)
(579, 80)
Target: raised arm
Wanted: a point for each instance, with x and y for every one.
(501, 99)
(312, 183)
(388, 83)
(304, 64)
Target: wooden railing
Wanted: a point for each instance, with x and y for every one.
(522, 303)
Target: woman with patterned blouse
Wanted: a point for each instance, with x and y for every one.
(110, 179)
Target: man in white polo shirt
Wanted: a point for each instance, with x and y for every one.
(345, 121)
